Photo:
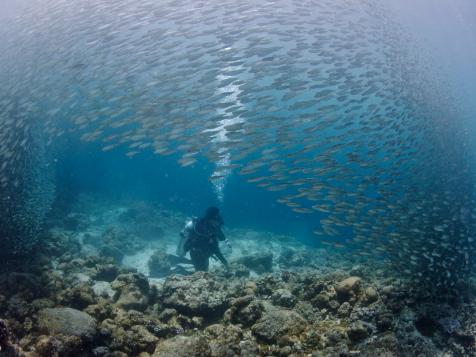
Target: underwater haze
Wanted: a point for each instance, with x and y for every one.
(336, 138)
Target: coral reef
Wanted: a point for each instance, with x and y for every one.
(276, 304)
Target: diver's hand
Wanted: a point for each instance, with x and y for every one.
(228, 244)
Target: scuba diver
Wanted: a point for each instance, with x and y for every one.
(201, 237)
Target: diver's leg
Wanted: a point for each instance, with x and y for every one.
(195, 259)
(199, 260)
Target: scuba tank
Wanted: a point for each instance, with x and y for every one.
(185, 236)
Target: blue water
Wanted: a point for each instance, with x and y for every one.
(159, 180)
(424, 87)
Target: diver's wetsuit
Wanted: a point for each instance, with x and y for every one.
(203, 244)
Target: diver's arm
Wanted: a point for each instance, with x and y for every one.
(220, 235)
(220, 256)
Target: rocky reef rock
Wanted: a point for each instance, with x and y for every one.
(239, 270)
(159, 264)
(346, 289)
(275, 324)
(358, 331)
(259, 262)
(230, 341)
(326, 299)
(18, 307)
(105, 272)
(67, 346)
(200, 294)
(112, 252)
(116, 243)
(103, 289)
(132, 291)
(284, 298)
(4, 333)
(344, 310)
(78, 296)
(59, 242)
(330, 339)
(132, 332)
(67, 321)
(25, 283)
(294, 258)
(371, 295)
(245, 310)
(102, 310)
(183, 346)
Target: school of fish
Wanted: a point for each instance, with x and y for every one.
(325, 103)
